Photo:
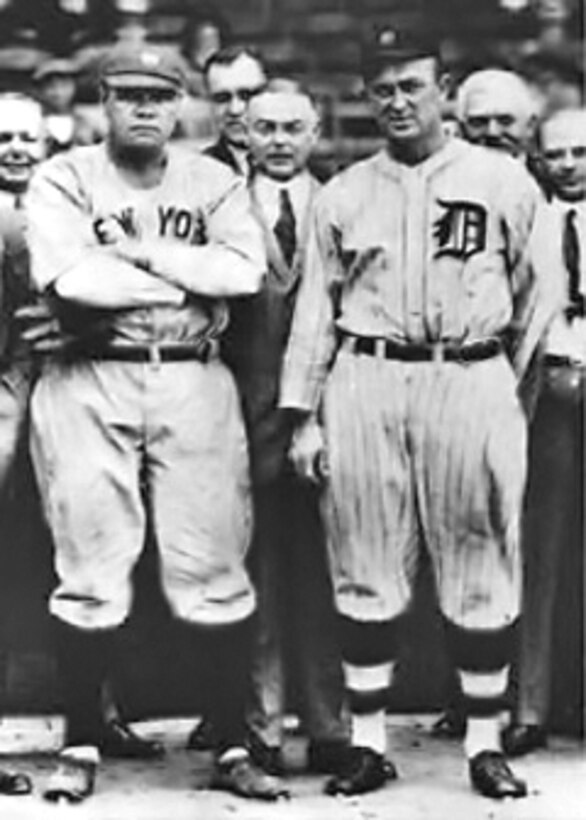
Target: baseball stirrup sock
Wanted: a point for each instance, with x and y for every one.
(484, 696)
(225, 653)
(481, 658)
(368, 650)
(368, 688)
(83, 658)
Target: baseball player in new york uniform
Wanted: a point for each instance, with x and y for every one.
(414, 326)
(152, 239)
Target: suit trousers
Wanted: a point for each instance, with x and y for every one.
(296, 627)
(553, 527)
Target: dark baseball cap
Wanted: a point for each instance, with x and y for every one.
(145, 60)
(397, 45)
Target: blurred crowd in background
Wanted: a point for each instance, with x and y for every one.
(52, 48)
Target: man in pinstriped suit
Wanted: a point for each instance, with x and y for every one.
(415, 326)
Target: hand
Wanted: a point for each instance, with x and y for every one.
(308, 453)
(40, 328)
(111, 231)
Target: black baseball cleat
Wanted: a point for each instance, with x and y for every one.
(73, 780)
(202, 737)
(491, 776)
(118, 740)
(364, 770)
(242, 777)
(521, 738)
(15, 783)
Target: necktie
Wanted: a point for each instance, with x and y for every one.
(285, 226)
(571, 253)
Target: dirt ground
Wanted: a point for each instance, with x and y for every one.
(432, 785)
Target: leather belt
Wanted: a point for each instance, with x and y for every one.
(154, 354)
(433, 352)
(554, 360)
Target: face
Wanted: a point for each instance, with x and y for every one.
(563, 154)
(407, 100)
(283, 130)
(57, 93)
(142, 112)
(231, 87)
(496, 118)
(21, 143)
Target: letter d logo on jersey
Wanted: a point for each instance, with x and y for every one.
(461, 230)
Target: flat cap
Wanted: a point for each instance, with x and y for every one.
(396, 45)
(147, 60)
(55, 68)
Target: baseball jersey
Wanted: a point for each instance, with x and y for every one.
(75, 196)
(418, 254)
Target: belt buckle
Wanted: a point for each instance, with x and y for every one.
(380, 348)
(155, 355)
(438, 352)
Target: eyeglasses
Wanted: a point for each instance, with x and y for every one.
(144, 96)
(242, 94)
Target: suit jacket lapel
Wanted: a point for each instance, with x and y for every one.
(285, 276)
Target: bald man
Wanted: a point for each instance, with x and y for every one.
(496, 109)
(554, 529)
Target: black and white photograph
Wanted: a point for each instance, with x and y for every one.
(292, 409)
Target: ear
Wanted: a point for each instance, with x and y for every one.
(103, 92)
(444, 84)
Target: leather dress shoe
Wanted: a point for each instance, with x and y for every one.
(521, 738)
(201, 738)
(15, 783)
(118, 740)
(364, 770)
(268, 758)
(242, 777)
(72, 781)
(491, 776)
(450, 725)
(326, 756)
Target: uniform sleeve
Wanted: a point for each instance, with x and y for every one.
(234, 234)
(312, 343)
(231, 261)
(60, 231)
(534, 298)
(66, 254)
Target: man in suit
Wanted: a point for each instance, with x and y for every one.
(554, 531)
(288, 556)
(233, 76)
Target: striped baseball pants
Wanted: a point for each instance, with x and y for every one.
(425, 455)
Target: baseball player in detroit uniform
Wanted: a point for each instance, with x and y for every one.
(151, 239)
(414, 326)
